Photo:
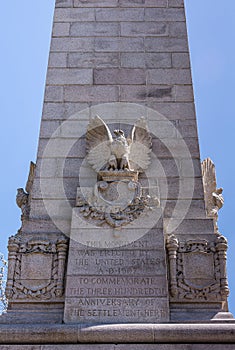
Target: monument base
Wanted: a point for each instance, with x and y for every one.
(213, 335)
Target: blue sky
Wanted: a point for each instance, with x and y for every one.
(25, 28)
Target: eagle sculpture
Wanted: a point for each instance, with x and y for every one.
(213, 196)
(118, 152)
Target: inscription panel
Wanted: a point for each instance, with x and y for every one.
(116, 279)
(116, 286)
(114, 262)
(115, 310)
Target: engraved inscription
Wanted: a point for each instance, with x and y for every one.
(151, 310)
(92, 286)
(115, 262)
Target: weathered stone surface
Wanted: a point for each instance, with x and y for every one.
(166, 45)
(139, 93)
(70, 76)
(74, 15)
(119, 15)
(93, 60)
(144, 29)
(119, 44)
(169, 76)
(58, 60)
(60, 29)
(95, 93)
(54, 94)
(94, 29)
(180, 60)
(177, 30)
(95, 3)
(143, 3)
(123, 76)
(184, 93)
(72, 44)
(164, 15)
(176, 3)
(145, 60)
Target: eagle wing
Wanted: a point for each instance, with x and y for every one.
(30, 177)
(209, 182)
(140, 143)
(98, 142)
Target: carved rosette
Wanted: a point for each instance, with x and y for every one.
(197, 270)
(36, 269)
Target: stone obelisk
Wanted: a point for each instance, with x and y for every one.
(117, 242)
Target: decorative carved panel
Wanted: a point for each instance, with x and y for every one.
(197, 269)
(36, 268)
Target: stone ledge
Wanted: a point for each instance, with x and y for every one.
(221, 333)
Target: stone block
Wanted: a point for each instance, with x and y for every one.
(93, 60)
(180, 60)
(58, 167)
(77, 347)
(119, 44)
(95, 3)
(62, 111)
(21, 347)
(170, 14)
(55, 188)
(184, 93)
(185, 184)
(169, 76)
(57, 60)
(53, 111)
(119, 15)
(186, 167)
(194, 226)
(166, 45)
(173, 110)
(162, 130)
(64, 3)
(175, 148)
(143, 3)
(141, 93)
(177, 30)
(74, 14)
(187, 128)
(144, 29)
(60, 29)
(76, 147)
(145, 60)
(114, 76)
(171, 167)
(54, 94)
(69, 76)
(196, 209)
(72, 44)
(48, 128)
(71, 110)
(94, 29)
(91, 93)
(176, 3)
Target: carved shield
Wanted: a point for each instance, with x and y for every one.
(198, 269)
(36, 270)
